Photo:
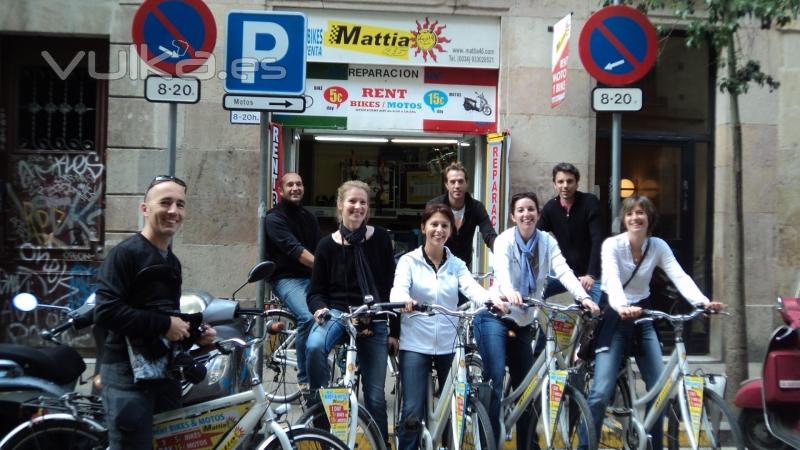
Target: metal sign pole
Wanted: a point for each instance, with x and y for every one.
(264, 196)
(616, 163)
(172, 136)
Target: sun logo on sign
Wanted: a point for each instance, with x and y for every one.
(427, 38)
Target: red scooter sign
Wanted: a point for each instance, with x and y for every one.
(769, 417)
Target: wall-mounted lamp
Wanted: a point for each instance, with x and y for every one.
(626, 188)
(347, 138)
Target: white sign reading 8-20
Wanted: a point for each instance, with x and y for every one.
(160, 89)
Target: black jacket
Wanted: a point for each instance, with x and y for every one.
(137, 291)
(290, 229)
(475, 216)
(579, 234)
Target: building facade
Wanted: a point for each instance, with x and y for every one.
(80, 142)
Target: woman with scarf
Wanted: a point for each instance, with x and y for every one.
(354, 262)
(522, 258)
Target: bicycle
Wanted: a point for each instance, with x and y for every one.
(280, 358)
(459, 404)
(562, 414)
(339, 405)
(694, 410)
(241, 420)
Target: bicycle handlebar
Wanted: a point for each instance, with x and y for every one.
(654, 314)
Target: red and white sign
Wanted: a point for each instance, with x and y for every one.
(276, 130)
(561, 33)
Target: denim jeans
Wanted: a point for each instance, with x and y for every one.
(292, 292)
(130, 407)
(371, 360)
(498, 349)
(607, 363)
(554, 287)
(415, 375)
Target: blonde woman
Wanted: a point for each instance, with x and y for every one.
(354, 262)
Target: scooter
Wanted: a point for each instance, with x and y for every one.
(481, 104)
(27, 373)
(769, 416)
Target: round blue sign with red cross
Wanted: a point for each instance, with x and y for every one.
(174, 36)
(618, 45)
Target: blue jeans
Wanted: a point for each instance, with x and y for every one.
(130, 407)
(292, 292)
(607, 365)
(371, 359)
(494, 345)
(554, 287)
(415, 375)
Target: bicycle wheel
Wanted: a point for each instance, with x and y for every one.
(306, 439)
(617, 432)
(280, 359)
(718, 425)
(62, 433)
(368, 436)
(573, 423)
(478, 433)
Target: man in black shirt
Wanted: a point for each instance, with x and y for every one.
(292, 236)
(469, 213)
(575, 219)
(138, 293)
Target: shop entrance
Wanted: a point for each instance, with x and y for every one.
(404, 173)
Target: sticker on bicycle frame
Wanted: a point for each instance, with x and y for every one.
(523, 399)
(694, 398)
(558, 378)
(460, 398)
(664, 392)
(563, 326)
(337, 407)
(200, 432)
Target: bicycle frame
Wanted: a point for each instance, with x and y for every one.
(676, 374)
(448, 405)
(545, 370)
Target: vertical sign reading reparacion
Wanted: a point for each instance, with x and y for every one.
(276, 130)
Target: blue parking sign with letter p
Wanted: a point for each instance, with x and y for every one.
(266, 53)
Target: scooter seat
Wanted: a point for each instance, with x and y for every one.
(61, 364)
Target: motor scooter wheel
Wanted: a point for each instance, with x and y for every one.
(755, 432)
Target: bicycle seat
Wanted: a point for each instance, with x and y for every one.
(61, 364)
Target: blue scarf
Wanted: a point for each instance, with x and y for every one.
(527, 283)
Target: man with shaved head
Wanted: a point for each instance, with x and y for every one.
(292, 236)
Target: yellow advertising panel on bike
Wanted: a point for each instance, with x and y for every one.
(337, 408)
(694, 398)
(200, 432)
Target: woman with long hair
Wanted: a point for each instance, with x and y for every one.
(354, 263)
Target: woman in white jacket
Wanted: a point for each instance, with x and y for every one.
(431, 274)
(522, 258)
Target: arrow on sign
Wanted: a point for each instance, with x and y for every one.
(611, 66)
(287, 103)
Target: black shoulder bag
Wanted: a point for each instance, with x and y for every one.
(588, 341)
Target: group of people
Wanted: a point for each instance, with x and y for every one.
(558, 247)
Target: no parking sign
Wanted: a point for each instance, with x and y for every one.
(618, 45)
(174, 36)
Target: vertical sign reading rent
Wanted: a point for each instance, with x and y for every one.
(561, 32)
(277, 160)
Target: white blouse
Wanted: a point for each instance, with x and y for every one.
(618, 265)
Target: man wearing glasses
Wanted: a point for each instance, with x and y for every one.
(138, 293)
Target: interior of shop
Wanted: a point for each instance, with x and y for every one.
(403, 173)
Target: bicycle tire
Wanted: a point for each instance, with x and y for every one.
(306, 439)
(280, 362)
(580, 422)
(368, 436)
(616, 432)
(715, 411)
(65, 433)
(478, 434)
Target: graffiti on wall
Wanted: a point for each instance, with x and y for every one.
(53, 212)
(54, 201)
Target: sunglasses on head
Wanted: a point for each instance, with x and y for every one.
(158, 179)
